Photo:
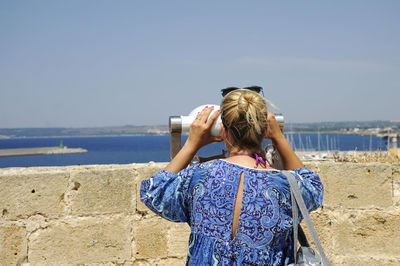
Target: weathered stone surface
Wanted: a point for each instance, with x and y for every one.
(85, 240)
(25, 195)
(160, 262)
(355, 185)
(141, 173)
(178, 238)
(103, 191)
(368, 233)
(110, 263)
(323, 223)
(36, 222)
(171, 262)
(151, 238)
(365, 260)
(95, 217)
(396, 185)
(12, 245)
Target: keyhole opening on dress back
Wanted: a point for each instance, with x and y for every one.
(238, 207)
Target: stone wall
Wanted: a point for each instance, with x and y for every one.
(92, 215)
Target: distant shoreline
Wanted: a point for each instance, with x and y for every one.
(80, 136)
(355, 127)
(39, 150)
(166, 134)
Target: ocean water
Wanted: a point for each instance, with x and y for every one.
(142, 149)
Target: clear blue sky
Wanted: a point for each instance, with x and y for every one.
(102, 63)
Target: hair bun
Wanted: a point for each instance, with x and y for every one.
(244, 114)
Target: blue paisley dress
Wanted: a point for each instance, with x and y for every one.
(203, 195)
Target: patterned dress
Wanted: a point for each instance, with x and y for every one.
(203, 195)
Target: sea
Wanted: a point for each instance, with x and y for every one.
(143, 149)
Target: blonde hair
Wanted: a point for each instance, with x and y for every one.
(244, 115)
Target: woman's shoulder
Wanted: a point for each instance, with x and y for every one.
(203, 165)
(214, 166)
(229, 166)
(257, 171)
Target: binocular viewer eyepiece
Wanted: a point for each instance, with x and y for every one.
(181, 124)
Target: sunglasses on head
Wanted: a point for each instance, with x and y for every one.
(257, 89)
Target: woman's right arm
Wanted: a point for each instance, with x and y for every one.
(166, 194)
(199, 136)
(289, 157)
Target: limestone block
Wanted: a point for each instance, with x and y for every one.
(102, 191)
(314, 165)
(178, 238)
(354, 185)
(160, 262)
(24, 195)
(396, 185)
(13, 245)
(365, 260)
(142, 263)
(144, 171)
(141, 173)
(36, 222)
(368, 233)
(323, 222)
(151, 238)
(172, 262)
(109, 263)
(85, 240)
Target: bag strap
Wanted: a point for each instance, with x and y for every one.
(298, 233)
(295, 225)
(296, 196)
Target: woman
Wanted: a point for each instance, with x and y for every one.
(238, 208)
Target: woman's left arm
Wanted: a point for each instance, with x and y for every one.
(289, 157)
(311, 187)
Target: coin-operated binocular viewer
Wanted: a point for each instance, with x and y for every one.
(181, 124)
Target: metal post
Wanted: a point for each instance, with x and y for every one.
(175, 139)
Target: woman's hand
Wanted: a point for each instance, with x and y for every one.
(199, 135)
(200, 129)
(289, 157)
(273, 130)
